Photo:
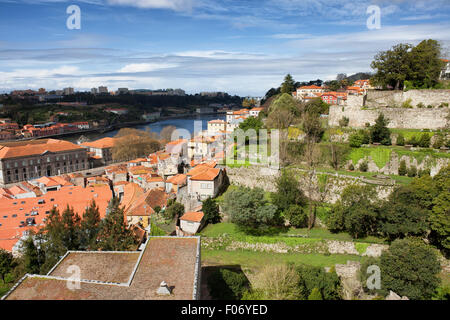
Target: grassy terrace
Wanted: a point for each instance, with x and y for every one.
(291, 237)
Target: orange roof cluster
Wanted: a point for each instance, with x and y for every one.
(178, 179)
(14, 211)
(151, 177)
(145, 204)
(131, 192)
(53, 181)
(203, 172)
(310, 87)
(101, 143)
(193, 216)
(137, 170)
(256, 109)
(217, 121)
(35, 147)
(175, 142)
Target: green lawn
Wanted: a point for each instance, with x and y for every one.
(252, 259)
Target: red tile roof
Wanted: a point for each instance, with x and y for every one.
(193, 216)
(35, 147)
(101, 143)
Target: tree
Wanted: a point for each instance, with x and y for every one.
(312, 126)
(426, 65)
(425, 140)
(225, 284)
(379, 131)
(338, 153)
(356, 212)
(288, 85)
(175, 210)
(71, 226)
(403, 215)
(315, 295)
(90, 226)
(252, 123)
(249, 209)
(166, 133)
(402, 170)
(392, 66)
(114, 234)
(355, 140)
(133, 144)
(211, 211)
(288, 192)
(32, 256)
(297, 216)
(400, 140)
(440, 213)
(327, 283)
(317, 106)
(285, 102)
(6, 263)
(410, 268)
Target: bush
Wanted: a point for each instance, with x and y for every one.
(402, 170)
(413, 141)
(351, 167)
(297, 217)
(278, 282)
(407, 104)
(438, 142)
(424, 141)
(410, 268)
(225, 284)
(355, 140)
(412, 171)
(420, 105)
(315, 295)
(364, 166)
(344, 122)
(424, 172)
(326, 283)
(400, 140)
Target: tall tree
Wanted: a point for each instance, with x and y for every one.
(114, 234)
(392, 66)
(6, 263)
(288, 85)
(71, 224)
(90, 227)
(426, 65)
(288, 192)
(379, 132)
(211, 211)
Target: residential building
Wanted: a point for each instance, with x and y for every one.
(308, 91)
(175, 183)
(103, 90)
(36, 158)
(68, 91)
(191, 222)
(216, 126)
(204, 181)
(254, 112)
(445, 74)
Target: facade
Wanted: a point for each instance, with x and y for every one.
(33, 159)
(68, 91)
(204, 181)
(190, 222)
(215, 126)
(445, 74)
(308, 91)
(101, 149)
(102, 89)
(254, 112)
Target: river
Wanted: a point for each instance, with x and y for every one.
(180, 123)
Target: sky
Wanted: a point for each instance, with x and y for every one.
(242, 47)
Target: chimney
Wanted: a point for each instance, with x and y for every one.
(163, 289)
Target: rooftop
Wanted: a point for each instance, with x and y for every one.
(170, 259)
(101, 143)
(35, 147)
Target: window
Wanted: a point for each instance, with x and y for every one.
(31, 162)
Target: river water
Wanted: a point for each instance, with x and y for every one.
(180, 123)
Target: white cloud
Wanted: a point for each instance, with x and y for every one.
(176, 5)
(145, 67)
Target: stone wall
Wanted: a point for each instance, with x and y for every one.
(377, 101)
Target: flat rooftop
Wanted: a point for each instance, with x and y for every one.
(121, 275)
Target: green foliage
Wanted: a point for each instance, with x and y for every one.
(251, 123)
(114, 234)
(402, 170)
(412, 171)
(400, 140)
(355, 140)
(317, 106)
(249, 209)
(410, 268)
(33, 257)
(225, 284)
(407, 104)
(344, 122)
(355, 212)
(90, 226)
(297, 216)
(424, 141)
(155, 230)
(174, 210)
(442, 293)
(379, 155)
(315, 295)
(6, 263)
(363, 166)
(211, 211)
(326, 283)
(288, 192)
(379, 131)
(288, 85)
(438, 142)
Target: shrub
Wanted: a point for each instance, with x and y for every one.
(413, 141)
(364, 166)
(225, 284)
(407, 104)
(315, 295)
(420, 105)
(379, 131)
(438, 142)
(355, 140)
(351, 167)
(424, 172)
(429, 106)
(278, 282)
(402, 168)
(412, 171)
(424, 140)
(344, 122)
(326, 283)
(400, 140)
(297, 216)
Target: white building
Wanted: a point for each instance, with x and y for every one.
(102, 89)
(68, 91)
(190, 222)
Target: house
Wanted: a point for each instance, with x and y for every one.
(242, 113)
(153, 181)
(445, 73)
(174, 183)
(167, 268)
(101, 149)
(354, 90)
(334, 98)
(308, 91)
(143, 207)
(254, 112)
(190, 222)
(177, 147)
(204, 181)
(117, 173)
(46, 184)
(215, 126)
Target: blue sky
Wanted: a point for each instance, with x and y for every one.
(242, 47)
